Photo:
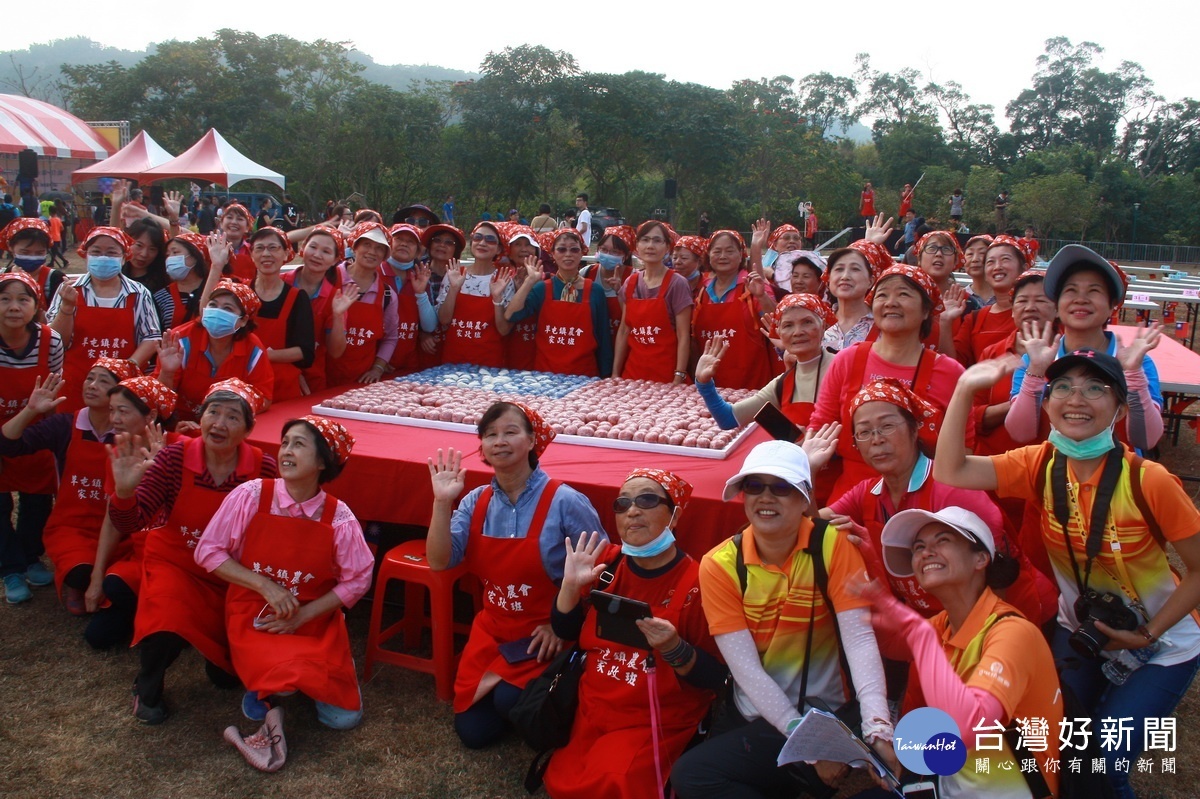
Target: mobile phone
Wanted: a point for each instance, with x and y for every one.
(518, 651)
(616, 619)
(920, 790)
(776, 424)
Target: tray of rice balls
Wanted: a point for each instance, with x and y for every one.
(635, 415)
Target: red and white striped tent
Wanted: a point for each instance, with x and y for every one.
(47, 130)
(141, 154)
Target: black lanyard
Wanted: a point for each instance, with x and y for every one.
(1100, 506)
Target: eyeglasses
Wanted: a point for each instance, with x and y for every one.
(419, 221)
(933, 249)
(644, 501)
(884, 430)
(488, 237)
(755, 486)
(568, 250)
(272, 248)
(1091, 390)
(652, 240)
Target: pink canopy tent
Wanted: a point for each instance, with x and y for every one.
(129, 162)
(47, 130)
(213, 160)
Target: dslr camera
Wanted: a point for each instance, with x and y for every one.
(1105, 606)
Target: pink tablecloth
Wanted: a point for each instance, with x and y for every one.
(387, 477)
(1178, 366)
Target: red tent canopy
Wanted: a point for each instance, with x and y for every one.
(129, 162)
(213, 160)
(47, 130)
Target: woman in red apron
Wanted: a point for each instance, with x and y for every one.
(904, 302)
(28, 239)
(294, 557)
(444, 245)
(471, 305)
(319, 254)
(284, 322)
(237, 223)
(1007, 258)
(688, 259)
(730, 304)
(634, 718)
(885, 415)
(510, 535)
(409, 282)
(180, 603)
(371, 324)
(75, 445)
(566, 343)
(521, 335)
(188, 266)
(653, 340)
(614, 262)
(220, 346)
(103, 314)
(31, 352)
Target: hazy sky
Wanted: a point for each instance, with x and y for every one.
(989, 48)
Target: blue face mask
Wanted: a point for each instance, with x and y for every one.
(29, 263)
(103, 267)
(177, 267)
(769, 257)
(219, 322)
(609, 262)
(398, 266)
(1089, 448)
(656, 547)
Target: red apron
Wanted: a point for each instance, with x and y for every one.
(241, 265)
(299, 555)
(983, 328)
(747, 364)
(364, 329)
(34, 473)
(472, 337)
(273, 334)
(42, 275)
(614, 316)
(566, 342)
(404, 357)
(610, 752)
(799, 412)
(178, 309)
(517, 596)
(521, 345)
(875, 516)
(73, 529)
(197, 375)
(322, 310)
(854, 468)
(653, 340)
(98, 333)
(176, 594)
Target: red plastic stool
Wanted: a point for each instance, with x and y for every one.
(406, 562)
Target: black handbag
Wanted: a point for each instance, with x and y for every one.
(546, 710)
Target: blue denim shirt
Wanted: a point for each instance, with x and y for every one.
(571, 515)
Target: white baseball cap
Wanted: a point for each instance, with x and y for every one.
(901, 530)
(781, 459)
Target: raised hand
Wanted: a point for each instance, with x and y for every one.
(68, 296)
(1040, 344)
(955, 300)
(173, 202)
(120, 192)
(44, 397)
(456, 275)
(130, 458)
(447, 475)
(985, 374)
(155, 438)
(218, 250)
(768, 330)
(820, 444)
(714, 350)
(756, 285)
(580, 569)
(502, 280)
(533, 268)
(344, 298)
(879, 230)
(170, 354)
(420, 277)
(760, 232)
(1130, 357)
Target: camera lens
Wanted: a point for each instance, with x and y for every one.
(1087, 640)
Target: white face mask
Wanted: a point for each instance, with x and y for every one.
(177, 268)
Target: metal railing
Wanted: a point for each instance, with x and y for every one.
(1124, 252)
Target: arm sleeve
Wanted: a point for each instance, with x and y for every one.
(567, 626)
(56, 350)
(679, 294)
(1144, 424)
(223, 535)
(767, 395)
(600, 328)
(829, 397)
(866, 670)
(1023, 417)
(533, 302)
(763, 692)
(164, 305)
(52, 434)
(722, 412)
(460, 527)
(426, 313)
(300, 329)
(354, 561)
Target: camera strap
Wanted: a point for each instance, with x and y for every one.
(1100, 506)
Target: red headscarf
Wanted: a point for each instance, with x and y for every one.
(695, 244)
(543, 433)
(918, 276)
(114, 233)
(288, 252)
(197, 241)
(551, 237)
(678, 489)
(496, 226)
(22, 276)
(1026, 247)
(894, 392)
(339, 439)
(339, 241)
(876, 255)
(960, 256)
(778, 232)
(623, 233)
(245, 295)
(121, 369)
(22, 223)
(154, 394)
(809, 302)
(241, 388)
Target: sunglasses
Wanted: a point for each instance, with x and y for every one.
(418, 221)
(568, 250)
(755, 486)
(488, 237)
(644, 501)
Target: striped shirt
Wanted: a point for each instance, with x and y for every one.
(28, 357)
(145, 313)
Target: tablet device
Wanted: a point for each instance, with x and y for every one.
(518, 651)
(779, 426)
(616, 619)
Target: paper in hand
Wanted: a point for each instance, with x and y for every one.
(820, 735)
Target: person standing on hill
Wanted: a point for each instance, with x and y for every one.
(866, 205)
(583, 221)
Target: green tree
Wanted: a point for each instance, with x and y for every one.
(1061, 205)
